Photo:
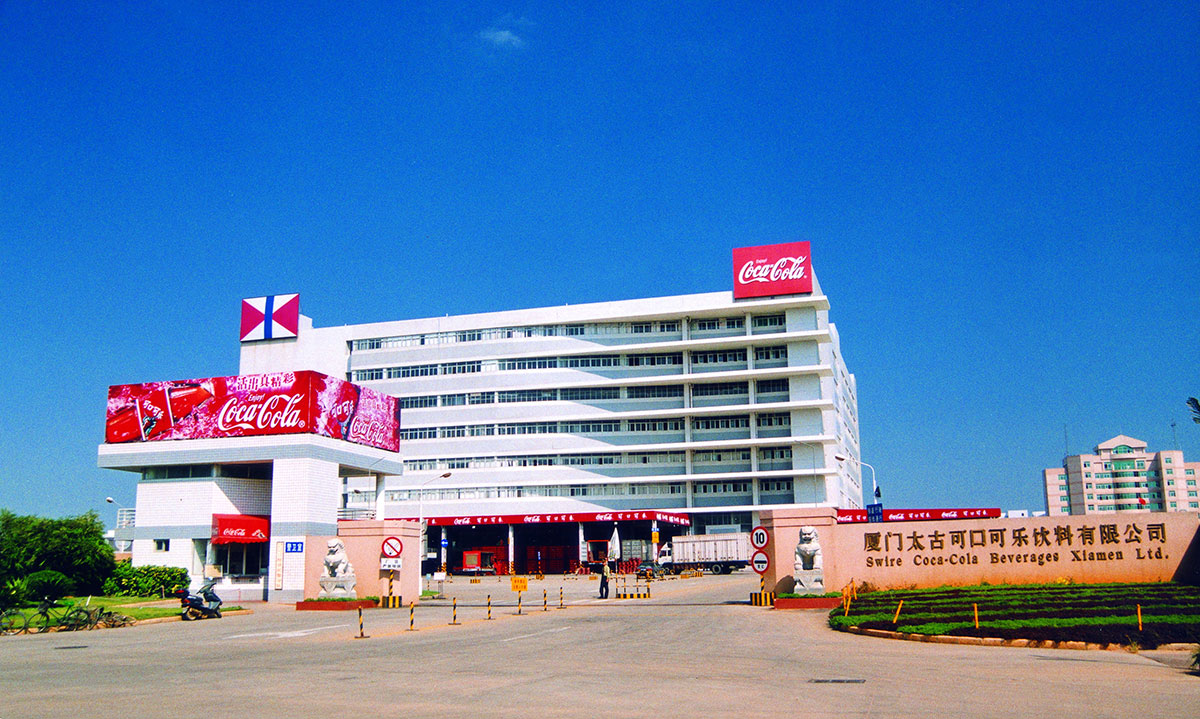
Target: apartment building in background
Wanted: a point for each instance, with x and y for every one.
(1122, 476)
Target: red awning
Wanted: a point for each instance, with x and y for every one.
(244, 528)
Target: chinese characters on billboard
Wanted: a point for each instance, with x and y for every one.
(302, 402)
(771, 270)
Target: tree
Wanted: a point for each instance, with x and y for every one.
(74, 546)
(1195, 405)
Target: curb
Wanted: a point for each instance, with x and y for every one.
(177, 618)
(998, 642)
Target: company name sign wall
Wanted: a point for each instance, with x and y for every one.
(253, 405)
(771, 270)
(1091, 548)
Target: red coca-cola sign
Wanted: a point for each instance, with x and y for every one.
(851, 516)
(632, 516)
(303, 402)
(770, 270)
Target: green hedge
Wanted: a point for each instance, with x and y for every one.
(148, 581)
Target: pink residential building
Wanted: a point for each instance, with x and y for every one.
(1122, 476)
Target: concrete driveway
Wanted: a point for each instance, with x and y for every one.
(695, 649)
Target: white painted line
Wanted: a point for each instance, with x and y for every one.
(288, 635)
(526, 636)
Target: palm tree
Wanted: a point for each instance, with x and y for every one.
(1195, 405)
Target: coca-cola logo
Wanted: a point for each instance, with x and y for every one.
(372, 432)
(531, 518)
(785, 268)
(461, 521)
(772, 270)
(279, 411)
(233, 532)
(604, 517)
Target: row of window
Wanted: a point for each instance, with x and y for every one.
(200, 471)
(720, 456)
(761, 354)
(586, 394)
(762, 322)
(584, 490)
(1126, 485)
(774, 419)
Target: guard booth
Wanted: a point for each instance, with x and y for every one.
(241, 477)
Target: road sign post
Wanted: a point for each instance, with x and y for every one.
(760, 537)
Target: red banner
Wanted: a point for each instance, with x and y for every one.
(681, 520)
(849, 516)
(241, 528)
(772, 270)
(302, 402)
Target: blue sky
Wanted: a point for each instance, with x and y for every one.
(1002, 201)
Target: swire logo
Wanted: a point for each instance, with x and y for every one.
(785, 268)
(280, 411)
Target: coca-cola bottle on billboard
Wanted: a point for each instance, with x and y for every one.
(155, 412)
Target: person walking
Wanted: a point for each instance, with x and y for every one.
(605, 573)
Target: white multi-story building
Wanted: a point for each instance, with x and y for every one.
(527, 435)
(698, 404)
(1122, 476)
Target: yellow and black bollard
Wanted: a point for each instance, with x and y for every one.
(489, 608)
(560, 597)
(544, 607)
(360, 626)
(412, 609)
(518, 603)
(454, 614)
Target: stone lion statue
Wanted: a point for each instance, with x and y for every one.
(337, 564)
(809, 573)
(808, 550)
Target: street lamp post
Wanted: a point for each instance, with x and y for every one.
(421, 541)
(875, 493)
(121, 522)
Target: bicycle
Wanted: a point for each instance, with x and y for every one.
(113, 620)
(70, 619)
(13, 621)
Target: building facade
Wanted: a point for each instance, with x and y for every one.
(1122, 476)
(526, 437)
(697, 403)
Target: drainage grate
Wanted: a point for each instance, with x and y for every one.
(837, 681)
(74, 646)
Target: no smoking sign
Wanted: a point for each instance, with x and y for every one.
(392, 547)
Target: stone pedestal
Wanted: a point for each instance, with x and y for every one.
(336, 587)
(809, 581)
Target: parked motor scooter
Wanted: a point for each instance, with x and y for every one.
(203, 605)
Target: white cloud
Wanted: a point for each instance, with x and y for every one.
(501, 38)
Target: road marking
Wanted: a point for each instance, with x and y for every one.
(287, 635)
(526, 636)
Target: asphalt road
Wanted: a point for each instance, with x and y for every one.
(696, 649)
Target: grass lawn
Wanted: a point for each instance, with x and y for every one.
(130, 606)
(1098, 613)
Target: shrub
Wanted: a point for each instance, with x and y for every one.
(50, 584)
(14, 593)
(147, 581)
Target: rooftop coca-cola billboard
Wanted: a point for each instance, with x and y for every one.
(772, 270)
(303, 402)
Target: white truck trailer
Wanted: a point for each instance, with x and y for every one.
(716, 553)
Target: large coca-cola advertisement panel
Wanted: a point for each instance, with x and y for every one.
(772, 270)
(252, 405)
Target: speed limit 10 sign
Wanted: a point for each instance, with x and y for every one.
(759, 537)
